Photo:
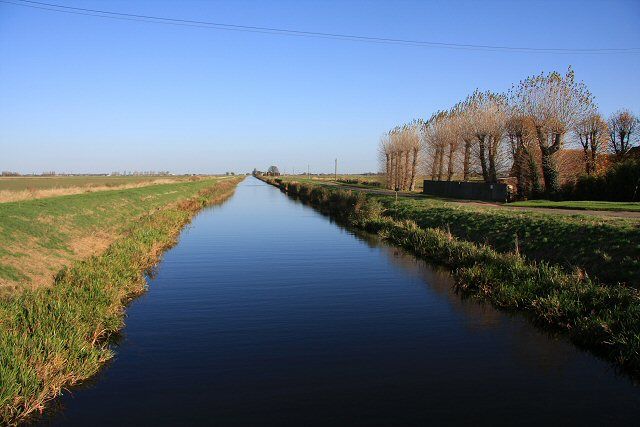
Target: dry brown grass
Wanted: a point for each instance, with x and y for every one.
(41, 264)
(65, 231)
(30, 194)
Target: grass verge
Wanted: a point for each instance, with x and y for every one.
(603, 319)
(581, 205)
(56, 336)
(604, 248)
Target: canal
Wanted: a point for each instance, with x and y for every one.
(268, 313)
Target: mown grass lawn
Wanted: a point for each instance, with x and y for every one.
(581, 205)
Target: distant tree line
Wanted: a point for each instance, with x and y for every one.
(519, 133)
(141, 173)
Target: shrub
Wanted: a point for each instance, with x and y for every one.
(618, 184)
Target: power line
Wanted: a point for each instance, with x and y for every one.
(299, 33)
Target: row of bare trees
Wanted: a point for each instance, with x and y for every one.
(489, 135)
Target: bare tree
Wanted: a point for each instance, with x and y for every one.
(414, 130)
(463, 131)
(525, 166)
(554, 103)
(385, 158)
(487, 118)
(399, 152)
(623, 128)
(591, 132)
(435, 139)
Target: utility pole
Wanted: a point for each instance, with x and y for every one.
(308, 171)
(335, 170)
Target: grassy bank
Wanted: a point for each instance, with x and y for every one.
(55, 336)
(38, 237)
(604, 248)
(604, 319)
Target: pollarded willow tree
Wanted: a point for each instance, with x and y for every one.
(591, 133)
(520, 132)
(399, 153)
(436, 136)
(554, 103)
(623, 132)
(486, 112)
(463, 132)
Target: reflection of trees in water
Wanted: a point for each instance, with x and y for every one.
(530, 346)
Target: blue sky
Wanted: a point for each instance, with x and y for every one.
(86, 94)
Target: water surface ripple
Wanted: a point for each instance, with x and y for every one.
(267, 313)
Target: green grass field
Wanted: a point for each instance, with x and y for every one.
(43, 182)
(38, 237)
(581, 205)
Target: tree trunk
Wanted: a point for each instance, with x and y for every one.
(450, 163)
(388, 158)
(397, 178)
(405, 177)
(550, 173)
(466, 161)
(414, 165)
(523, 186)
(534, 177)
(441, 164)
(483, 159)
(434, 166)
(587, 160)
(493, 176)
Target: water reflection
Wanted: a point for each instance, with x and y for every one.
(267, 313)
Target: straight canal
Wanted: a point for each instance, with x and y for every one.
(268, 313)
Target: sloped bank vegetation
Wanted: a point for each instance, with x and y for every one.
(56, 336)
(604, 319)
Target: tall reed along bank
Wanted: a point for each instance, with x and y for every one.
(57, 334)
(602, 316)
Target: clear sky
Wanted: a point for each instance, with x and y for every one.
(87, 94)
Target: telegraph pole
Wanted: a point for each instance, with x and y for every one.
(335, 170)
(308, 171)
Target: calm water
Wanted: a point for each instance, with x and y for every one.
(267, 313)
